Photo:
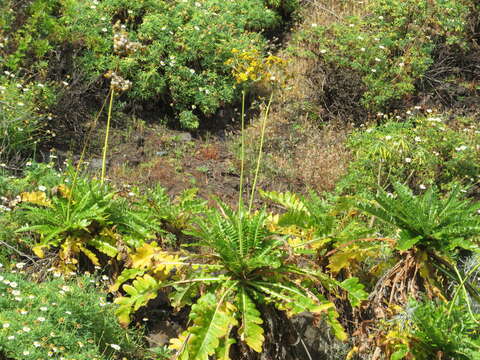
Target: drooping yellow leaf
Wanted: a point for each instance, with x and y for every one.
(93, 258)
(64, 191)
(36, 197)
(150, 256)
(38, 250)
(347, 257)
(142, 258)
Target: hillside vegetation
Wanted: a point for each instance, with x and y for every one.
(245, 180)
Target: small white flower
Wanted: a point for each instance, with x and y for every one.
(20, 265)
(26, 353)
(314, 25)
(408, 160)
(43, 308)
(374, 70)
(68, 312)
(422, 187)
(11, 337)
(418, 138)
(13, 284)
(388, 137)
(23, 312)
(16, 292)
(26, 329)
(104, 29)
(6, 325)
(36, 344)
(378, 60)
(115, 347)
(41, 319)
(42, 188)
(363, 49)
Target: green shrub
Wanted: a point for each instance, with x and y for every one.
(421, 152)
(394, 45)
(58, 319)
(173, 52)
(23, 117)
(441, 328)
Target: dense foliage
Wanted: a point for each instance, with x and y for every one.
(386, 263)
(394, 45)
(172, 54)
(58, 319)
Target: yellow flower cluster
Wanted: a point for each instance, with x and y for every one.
(252, 66)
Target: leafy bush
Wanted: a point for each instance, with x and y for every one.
(173, 52)
(421, 152)
(393, 46)
(441, 328)
(23, 117)
(58, 319)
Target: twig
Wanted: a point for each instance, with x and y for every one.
(17, 251)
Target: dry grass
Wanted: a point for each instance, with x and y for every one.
(302, 150)
(307, 81)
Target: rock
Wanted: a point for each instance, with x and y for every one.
(184, 137)
(96, 164)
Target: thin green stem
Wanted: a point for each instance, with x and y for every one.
(242, 153)
(461, 286)
(242, 170)
(82, 155)
(107, 133)
(260, 150)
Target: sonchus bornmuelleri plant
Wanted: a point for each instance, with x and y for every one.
(432, 231)
(241, 267)
(89, 219)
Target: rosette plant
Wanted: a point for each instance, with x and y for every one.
(237, 268)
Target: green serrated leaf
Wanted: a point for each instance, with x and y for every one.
(211, 322)
(355, 291)
(400, 352)
(127, 274)
(406, 241)
(250, 331)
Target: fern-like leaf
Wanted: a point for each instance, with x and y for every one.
(250, 330)
(211, 321)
